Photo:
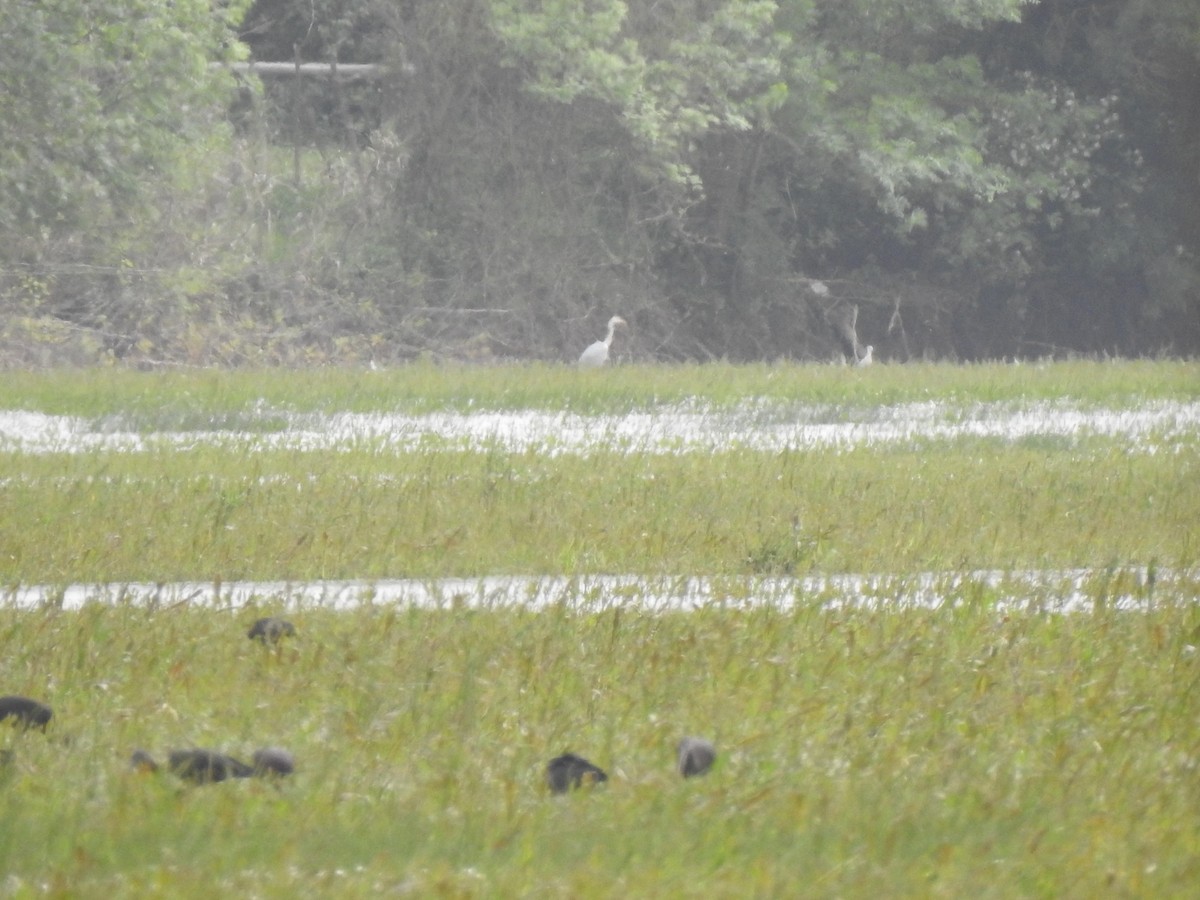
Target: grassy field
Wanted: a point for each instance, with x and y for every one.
(200, 397)
(863, 752)
(213, 514)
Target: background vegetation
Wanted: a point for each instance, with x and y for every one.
(984, 178)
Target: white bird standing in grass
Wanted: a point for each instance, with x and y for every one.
(597, 354)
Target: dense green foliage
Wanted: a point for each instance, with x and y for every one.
(980, 177)
(99, 102)
(107, 109)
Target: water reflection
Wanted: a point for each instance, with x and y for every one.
(759, 425)
(1048, 591)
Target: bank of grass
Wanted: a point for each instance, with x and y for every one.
(862, 753)
(212, 513)
(204, 398)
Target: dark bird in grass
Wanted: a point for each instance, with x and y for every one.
(141, 761)
(208, 766)
(270, 630)
(203, 766)
(570, 771)
(25, 712)
(273, 761)
(696, 756)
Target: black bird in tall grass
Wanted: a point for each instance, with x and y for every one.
(696, 756)
(208, 766)
(570, 771)
(203, 766)
(273, 761)
(271, 629)
(26, 713)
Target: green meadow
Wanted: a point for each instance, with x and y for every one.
(980, 747)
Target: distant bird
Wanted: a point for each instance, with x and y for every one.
(141, 761)
(596, 355)
(273, 761)
(208, 766)
(203, 766)
(570, 771)
(200, 766)
(270, 630)
(846, 328)
(696, 756)
(27, 713)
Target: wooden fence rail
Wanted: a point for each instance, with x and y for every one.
(338, 70)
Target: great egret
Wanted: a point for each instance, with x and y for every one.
(696, 756)
(27, 713)
(571, 771)
(597, 354)
(270, 630)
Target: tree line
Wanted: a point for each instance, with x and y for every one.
(969, 178)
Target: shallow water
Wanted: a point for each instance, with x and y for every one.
(1152, 427)
(1047, 591)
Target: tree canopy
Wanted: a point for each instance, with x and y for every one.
(98, 100)
(976, 177)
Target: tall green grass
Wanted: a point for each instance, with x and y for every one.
(168, 399)
(214, 513)
(862, 753)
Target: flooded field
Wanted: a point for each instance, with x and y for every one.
(930, 618)
(1162, 432)
(1153, 427)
